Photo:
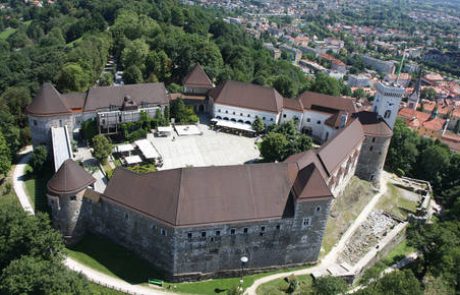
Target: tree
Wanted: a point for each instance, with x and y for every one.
(329, 285)
(159, 64)
(326, 85)
(106, 79)
(397, 283)
(403, 152)
(181, 113)
(5, 156)
(359, 93)
(17, 98)
(72, 78)
(273, 147)
(32, 275)
(102, 147)
(39, 157)
(258, 125)
(135, 53)
(432, 160)
(285, 86)
(27, 235)
(428, 93)
(132, 75)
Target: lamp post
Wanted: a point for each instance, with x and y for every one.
(243, 260)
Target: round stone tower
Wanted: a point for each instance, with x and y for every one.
(375, 146)
(65, 197)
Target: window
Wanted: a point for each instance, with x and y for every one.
(264, 118)
(278, 227)
(271, 119)
(219, 110)
(387, 114)
(217, 233)
(284, 115)
(35, 122)
(241, 114)
(245, 230)
(163, 232)
(371, 148)
(203, 234)
(262, 228)
(189, 236)
(126, 216)
(373, 139)
(226, 112)
(318, 122)
(318, 209)
(308, 119)
(249, 116)
(232, 231)
(233, 112)
(306, 222)
(73, 198)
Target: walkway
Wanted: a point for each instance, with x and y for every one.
(62, 147)
(91, 274)
(331, 258)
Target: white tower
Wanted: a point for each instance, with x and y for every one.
(387, 101)
(414, 98)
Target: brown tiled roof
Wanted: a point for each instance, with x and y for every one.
(246, 95)
(238, 193)
(335, 151)
(313, 100)
(197, 78)
(75, 100)
(310, 184)
(71, 178)
(373, 124)
(48, 102)
(104, 97)
(292, 104)
(335, 120)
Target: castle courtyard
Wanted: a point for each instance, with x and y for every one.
(209, 149)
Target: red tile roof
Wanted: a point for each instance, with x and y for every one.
(197, 78)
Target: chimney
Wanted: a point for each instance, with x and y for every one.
(343, 119)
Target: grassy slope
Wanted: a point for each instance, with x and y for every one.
(36, 187)
(345, 210)
(10, 31)
(394, 203)
(278, 287)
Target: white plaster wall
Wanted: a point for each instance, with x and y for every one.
(317, 129)
(289, 115)
(237, 113)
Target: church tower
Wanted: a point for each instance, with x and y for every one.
(414, 97)
(387, 101)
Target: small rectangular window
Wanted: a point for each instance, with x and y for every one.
(264, 118)
(232, 231)
(371, 148)
(318, 122)
(217, 233)
(249, 116)
(245, 230)
(373, 139)
(189, 236)
(203, 234)
(35, 122)
(318, 209)
(306, 221)
(241, 114)
(271, 119)
(308, 120)
(262, 228)
(278, 227)
(284, 115)
(163, 232)
(73, 198)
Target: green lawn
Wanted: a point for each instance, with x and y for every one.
(105, 256)
(396, 254)
(278, 287)
(100, 290)
(344, 211)
(36, 186)
(394, 203)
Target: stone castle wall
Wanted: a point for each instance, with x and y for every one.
(185, 253)
(372, 158)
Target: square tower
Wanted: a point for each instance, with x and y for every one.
(387, 101)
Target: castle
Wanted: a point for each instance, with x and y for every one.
(196, 222)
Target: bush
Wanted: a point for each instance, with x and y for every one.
(102, 147)
(39, 157)
(137, 134)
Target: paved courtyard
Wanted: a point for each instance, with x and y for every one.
(209, 149)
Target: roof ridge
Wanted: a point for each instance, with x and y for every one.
(179, 190)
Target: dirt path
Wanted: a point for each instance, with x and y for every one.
(331, 257)
(92, 275)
